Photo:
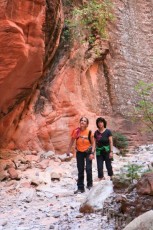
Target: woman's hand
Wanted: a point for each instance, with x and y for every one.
(111, 147)
(91, 156)
(70, 146)
(111, 155)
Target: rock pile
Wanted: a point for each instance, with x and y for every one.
(42, 196)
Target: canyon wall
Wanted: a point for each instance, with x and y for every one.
(47, 84)
(22, 50)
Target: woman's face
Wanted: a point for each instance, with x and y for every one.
(100, 124)
(83, 122)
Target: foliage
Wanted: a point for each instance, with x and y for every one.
(66, 33)
(90, 19)
(67, 2)
(144, 108)
(133, 171)
(119, 140)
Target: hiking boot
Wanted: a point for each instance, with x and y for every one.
(79, 191)
(89, 187)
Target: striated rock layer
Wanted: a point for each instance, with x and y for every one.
(76, 81)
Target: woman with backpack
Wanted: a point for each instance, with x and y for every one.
(84, 152)
(104, 148)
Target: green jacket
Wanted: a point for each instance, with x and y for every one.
(100, 149)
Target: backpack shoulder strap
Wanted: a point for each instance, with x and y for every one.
(89, 136)
(96, 134)
(77, 130)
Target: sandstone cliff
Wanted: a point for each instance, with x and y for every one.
(46, 85)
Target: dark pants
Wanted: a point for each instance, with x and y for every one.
(81, 158)
(100, 161)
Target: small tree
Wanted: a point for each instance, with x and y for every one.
(144, 108)
(133, 171)
(91, 19)
(119, 140)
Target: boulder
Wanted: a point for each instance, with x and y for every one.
(145, 184)
(13, 173)
(96, 197)
(43, 164)
(49, 154)
(143, 222)
(55, 176)
(120, 182)
(27, 194)
(3, 175)
(64, 157)
(32, 158)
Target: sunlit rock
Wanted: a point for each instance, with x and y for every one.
(64, 157)
(96, 197)
(27, 194)
(143, 222)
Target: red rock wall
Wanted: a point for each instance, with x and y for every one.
(22, 51)
(77, 81)
(25, 45)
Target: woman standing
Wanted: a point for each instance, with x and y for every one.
(84, 146)
(104, 148)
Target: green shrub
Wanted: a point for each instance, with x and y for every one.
(120, 141)
(91, 19)
(133, 171)
(66, 35)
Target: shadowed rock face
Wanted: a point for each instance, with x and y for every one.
(76, 81)
(22, 49)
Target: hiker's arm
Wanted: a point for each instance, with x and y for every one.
(70, 146)
(111, 146)
(93, 148)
